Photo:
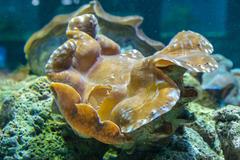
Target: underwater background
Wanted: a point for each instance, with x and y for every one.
(216, 19)
(194, 94)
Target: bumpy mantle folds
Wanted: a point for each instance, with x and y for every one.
(124, 30)
(106, 94)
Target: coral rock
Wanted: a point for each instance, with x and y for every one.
(228, 129)
(190, 146)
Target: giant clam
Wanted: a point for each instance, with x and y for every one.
(109, 94)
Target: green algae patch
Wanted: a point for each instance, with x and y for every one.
(49, 144)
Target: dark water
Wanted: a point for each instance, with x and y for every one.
(218, 20)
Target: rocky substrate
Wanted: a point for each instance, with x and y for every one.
(31, 127)
(228, 130)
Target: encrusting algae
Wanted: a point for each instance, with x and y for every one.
(106, 93)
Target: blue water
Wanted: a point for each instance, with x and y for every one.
(2, 57)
